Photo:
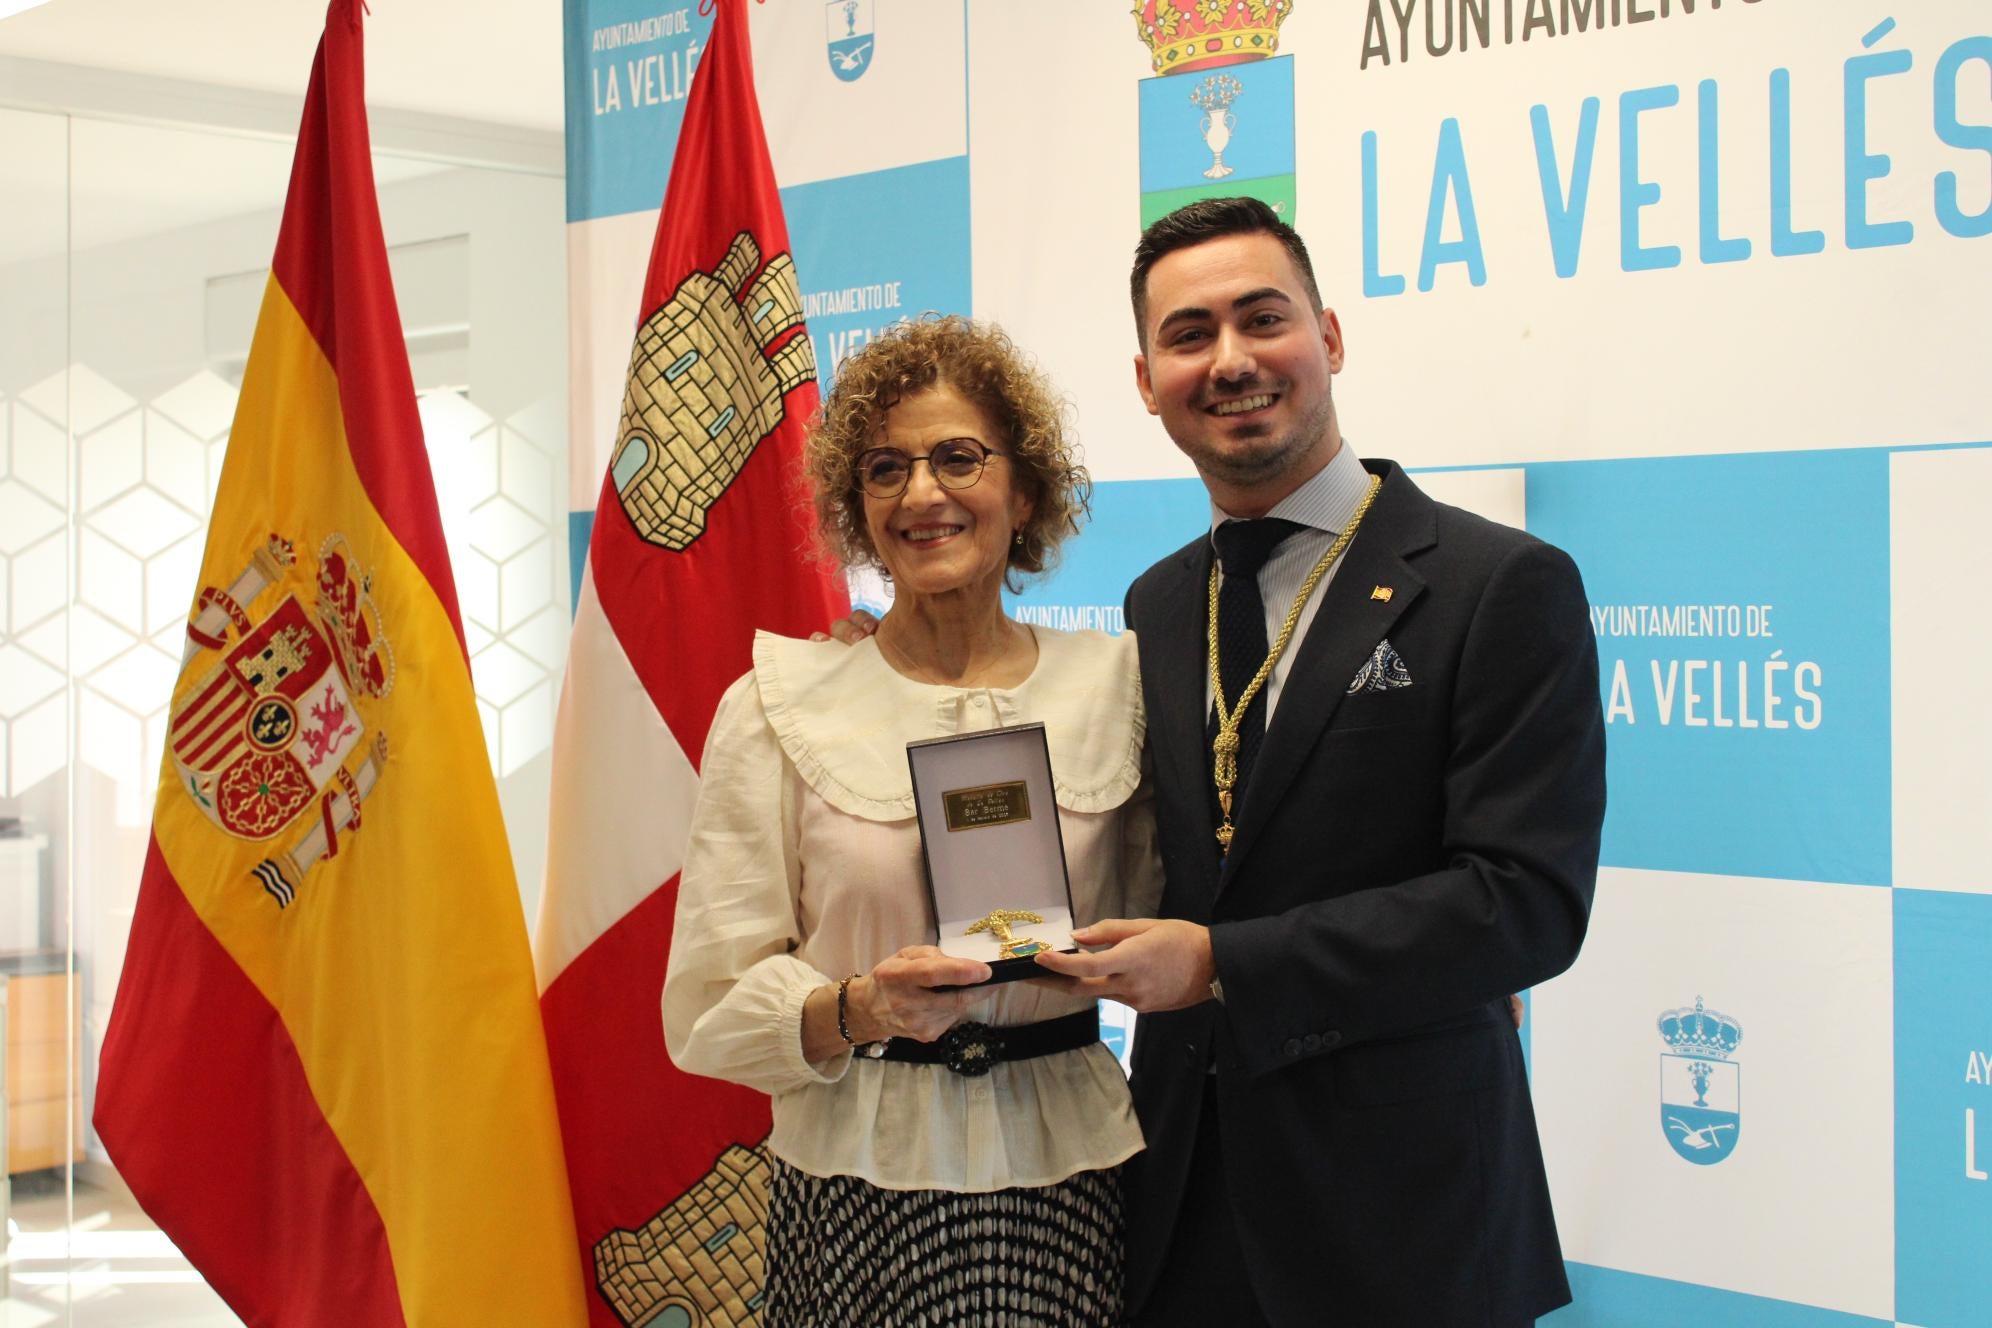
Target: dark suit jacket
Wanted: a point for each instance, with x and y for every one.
(1404, 859)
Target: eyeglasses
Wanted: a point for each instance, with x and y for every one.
(884, 472)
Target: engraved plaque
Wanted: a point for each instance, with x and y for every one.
(990, 804)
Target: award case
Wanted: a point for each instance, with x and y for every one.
(991, 846)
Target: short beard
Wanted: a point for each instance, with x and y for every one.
(1258, 467)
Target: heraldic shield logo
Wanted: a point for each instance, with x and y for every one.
(1701, 1089)
(262, 740)
(850, 31)
(704, 390)
(1218, 118)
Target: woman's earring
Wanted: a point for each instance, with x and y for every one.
(1018, 539)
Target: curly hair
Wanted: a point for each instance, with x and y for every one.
(981, 363)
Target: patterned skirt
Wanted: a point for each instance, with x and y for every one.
(843, 1253)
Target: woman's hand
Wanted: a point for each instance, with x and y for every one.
(896, 999)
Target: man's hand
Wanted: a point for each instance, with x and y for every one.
(1517, 1011)
(849, 630)
(1150, 963)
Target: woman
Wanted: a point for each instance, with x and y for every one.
(905, 1191)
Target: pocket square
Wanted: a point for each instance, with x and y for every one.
(1383, 670)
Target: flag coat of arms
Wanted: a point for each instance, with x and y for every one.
(325, 1075)
(698, 540)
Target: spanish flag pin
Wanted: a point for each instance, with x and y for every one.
(1381, 594)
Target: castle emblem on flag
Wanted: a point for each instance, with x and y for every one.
(266, 733)
(704, 389)
(850, 32)
(700, 1260)
(1701, 1089)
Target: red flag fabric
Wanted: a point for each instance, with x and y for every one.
(698, 540)
(325, 1075)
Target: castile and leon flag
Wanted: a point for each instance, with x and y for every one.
(698, 540)
(325, 1075)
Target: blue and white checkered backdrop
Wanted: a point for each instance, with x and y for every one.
(1697, 291)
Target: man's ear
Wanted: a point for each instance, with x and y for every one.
(1143, 386)
(1331, 336)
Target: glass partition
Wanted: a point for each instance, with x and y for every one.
(131, 270)
(41, 1102)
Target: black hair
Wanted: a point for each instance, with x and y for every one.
(1202, 221)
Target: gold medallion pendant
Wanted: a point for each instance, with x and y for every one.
(1224, 747)
(998, 924)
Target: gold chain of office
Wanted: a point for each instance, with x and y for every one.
(1224, 747)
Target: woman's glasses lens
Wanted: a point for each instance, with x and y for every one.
(956, 464)
(884, 471)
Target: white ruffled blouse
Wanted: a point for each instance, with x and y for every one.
(804, 867)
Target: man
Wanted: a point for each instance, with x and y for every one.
(1338, 1122)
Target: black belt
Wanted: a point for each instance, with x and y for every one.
(971, 1049)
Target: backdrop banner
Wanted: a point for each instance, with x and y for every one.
(1695, 290)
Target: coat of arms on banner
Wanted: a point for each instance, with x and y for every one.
(1701, 1089)
(850, 31)
(1218, 120)
(705, 389)
(262, 740)
(699, 1261)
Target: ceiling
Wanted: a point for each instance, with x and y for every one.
(101, 181)
(491, 60)
(108, 182)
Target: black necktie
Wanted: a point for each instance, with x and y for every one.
(1242, 549)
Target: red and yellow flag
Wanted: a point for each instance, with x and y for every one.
(325, 1076)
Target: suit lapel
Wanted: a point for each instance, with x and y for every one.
(1346, 628)
(1180, 654)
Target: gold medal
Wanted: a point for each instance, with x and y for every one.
(997, 924)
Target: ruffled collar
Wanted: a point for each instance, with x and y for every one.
(844, 717)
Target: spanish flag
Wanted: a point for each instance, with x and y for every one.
(325, 1076)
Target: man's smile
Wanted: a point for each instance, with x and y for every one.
(1243, 405)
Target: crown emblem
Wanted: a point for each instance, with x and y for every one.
(1701, 1032)
(347, 612)
(1187, 35)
